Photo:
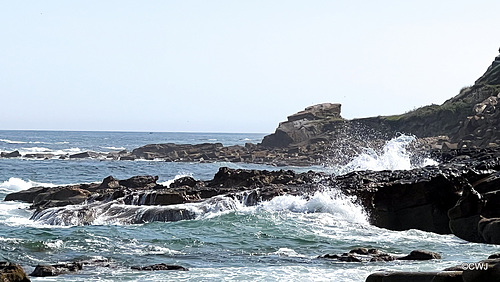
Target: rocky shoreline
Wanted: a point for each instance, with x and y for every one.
(459, 196)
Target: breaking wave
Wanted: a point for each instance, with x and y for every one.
(16, 184)
(137, 211)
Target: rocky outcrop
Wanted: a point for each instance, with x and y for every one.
(13, 154)
(88, 154)
(303, 126)
(374, 255)
(11, 272)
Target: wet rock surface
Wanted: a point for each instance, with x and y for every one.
(375, 255)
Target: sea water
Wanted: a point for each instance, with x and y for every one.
(278, 240)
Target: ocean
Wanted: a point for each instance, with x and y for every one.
(279, 240)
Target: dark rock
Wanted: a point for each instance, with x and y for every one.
(143, 181)
(489, 229)
(400, 276)
(405, 201)
(88, 154)
(127, 158)
(421, 255)
(185, 181)
(160, 266)
(486, 270)
(60, 196)
(27, 196)
(56, 269)
(39, 156)
(14, 154)
(374, 255)
(11, 272)
(109, 183)
(166, 198)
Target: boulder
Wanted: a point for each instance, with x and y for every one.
(14, 154)
(185, 181)
(11, 272)
(56, 269)
(421, 255)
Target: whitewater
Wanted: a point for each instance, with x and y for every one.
(277, 240)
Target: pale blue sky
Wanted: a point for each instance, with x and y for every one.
(233, 66)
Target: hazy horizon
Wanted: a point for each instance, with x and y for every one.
(233, 67)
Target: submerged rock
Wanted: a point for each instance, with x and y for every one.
(374, 255)
(88, 154)
(56, 269)
(421, 255)
(160, 266)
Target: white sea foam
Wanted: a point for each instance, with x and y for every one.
(178, 176)
(12, 141)
(31, 142)
(326, 201)
(44, 150)
(16, 184)
(393, 156)
(114, 148)
(115, 212)
(286, 252)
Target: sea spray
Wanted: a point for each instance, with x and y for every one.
(394, 155)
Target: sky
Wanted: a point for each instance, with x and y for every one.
(233, 66)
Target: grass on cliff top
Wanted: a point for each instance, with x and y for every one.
(431, 111)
